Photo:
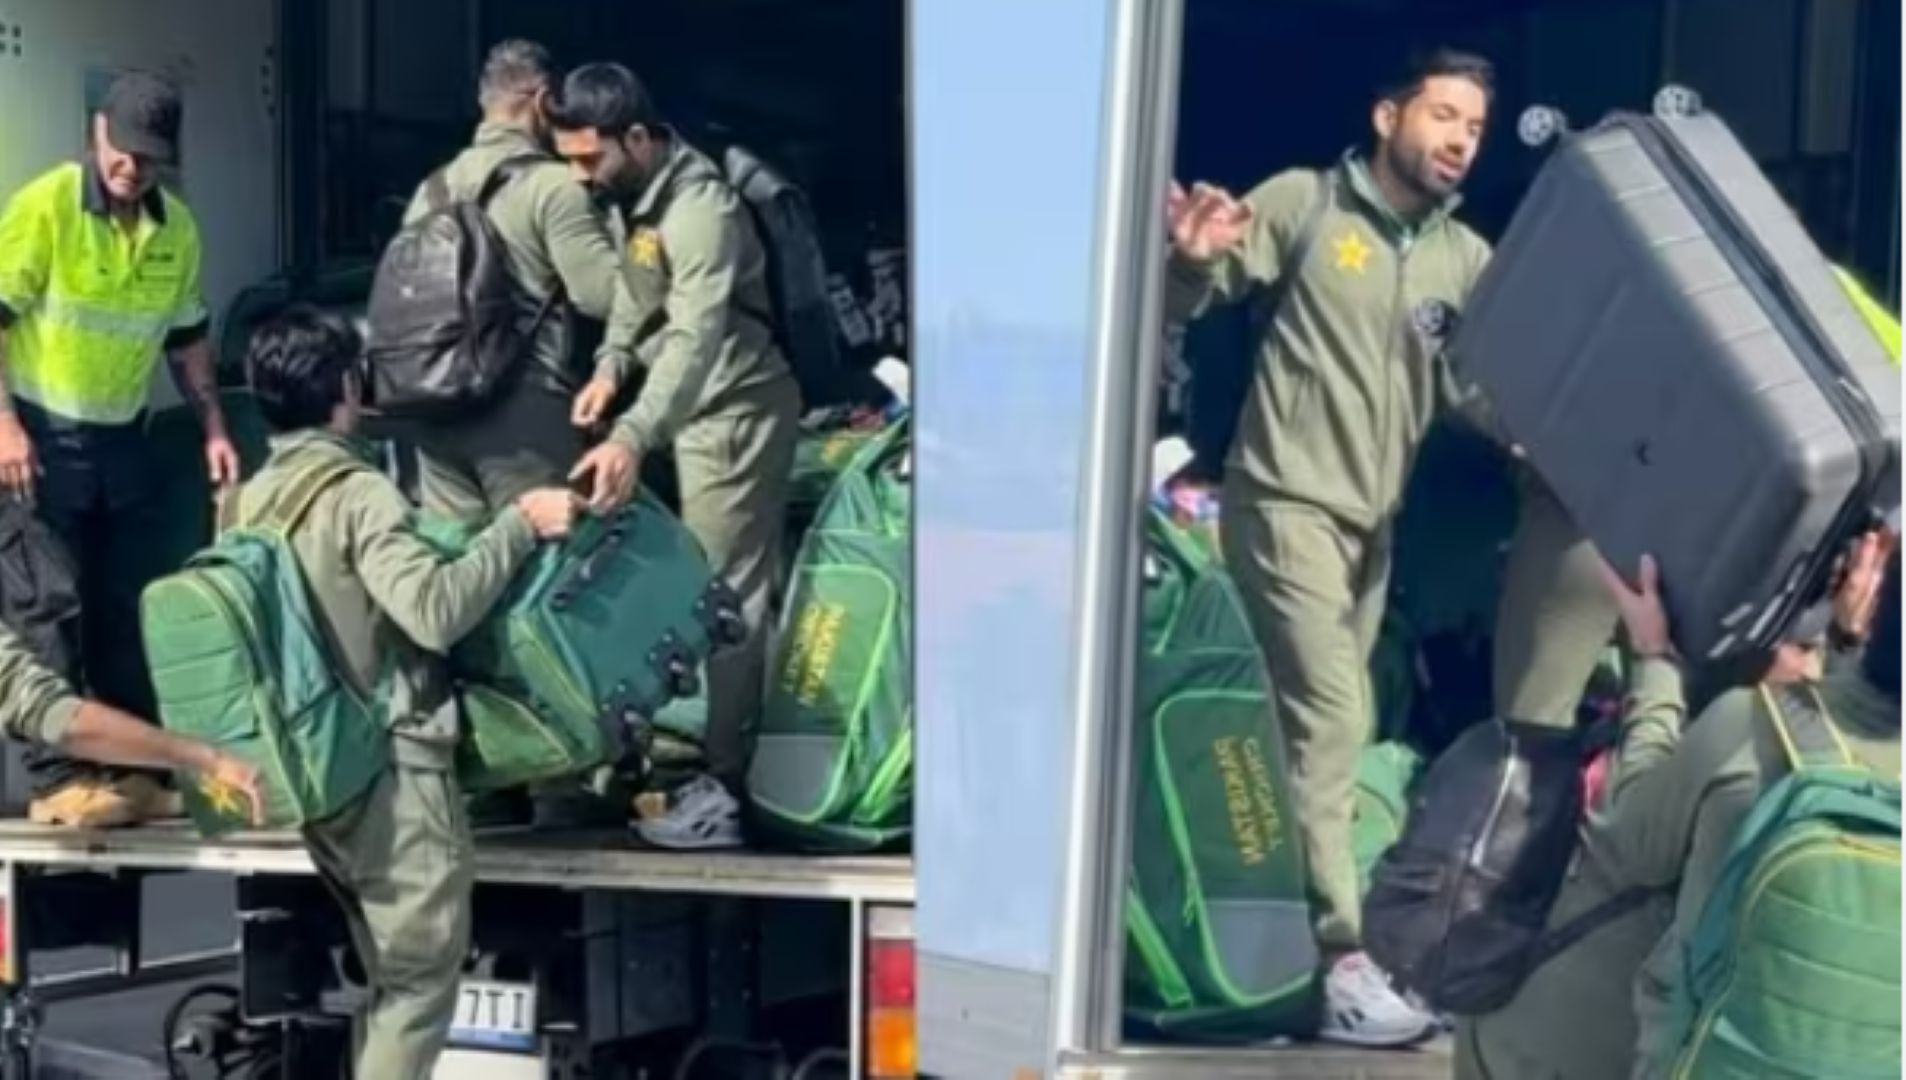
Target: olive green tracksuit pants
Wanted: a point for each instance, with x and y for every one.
(733, 467)
(1315, 588)
(400, 863)
(1556, 614)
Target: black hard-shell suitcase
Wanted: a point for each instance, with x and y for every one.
(1659, 334)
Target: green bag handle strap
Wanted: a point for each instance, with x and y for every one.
(1805, 729)
(283, 513)
(1174, 544)
(885, 448)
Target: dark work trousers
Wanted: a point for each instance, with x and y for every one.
(95, 491)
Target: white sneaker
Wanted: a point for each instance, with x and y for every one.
(1361, 1008)
(700, 815)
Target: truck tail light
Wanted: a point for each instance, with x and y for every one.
(892, 1040)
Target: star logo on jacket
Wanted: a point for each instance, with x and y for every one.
(645, 247)
(1353, 255)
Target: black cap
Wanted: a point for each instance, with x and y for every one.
(142, 114)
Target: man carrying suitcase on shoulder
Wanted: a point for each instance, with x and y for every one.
(695, 310)
(399, 859)
(1369, 265)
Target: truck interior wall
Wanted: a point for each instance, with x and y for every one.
(817, 86)
(1267, 86)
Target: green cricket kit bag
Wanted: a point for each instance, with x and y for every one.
(1216, 912)
(833, 768)
(830, 441)
(239, 661)
(1794, 967)
(594, 637)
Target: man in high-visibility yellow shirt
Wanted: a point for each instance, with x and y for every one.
(99, 275)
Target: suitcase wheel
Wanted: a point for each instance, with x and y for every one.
(1673, 102)
(730, 627)
(682, 681)
(1539, 124)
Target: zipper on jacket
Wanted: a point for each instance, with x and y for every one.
(1399, 322)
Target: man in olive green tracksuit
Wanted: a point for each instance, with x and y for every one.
(399, 859)
(1348, 378)
(694, 310)
(554, 238)
(1676, 796)
(38, 707)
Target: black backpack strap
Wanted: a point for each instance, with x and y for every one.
(1571, 933)
(505, 172)
(1293, 262)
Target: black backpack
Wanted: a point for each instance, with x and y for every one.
(39, 589)
(802, 321)
(445, 313)
(1458, 909)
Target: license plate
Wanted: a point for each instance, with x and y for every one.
(495, 1016)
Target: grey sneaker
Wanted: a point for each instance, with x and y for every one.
(700, 815)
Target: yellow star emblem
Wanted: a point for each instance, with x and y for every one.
(223, 798)
(1352, 253)
(645, 247)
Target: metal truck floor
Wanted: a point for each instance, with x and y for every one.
(592, 859)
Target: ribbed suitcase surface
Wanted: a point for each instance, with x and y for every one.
(1659, 333)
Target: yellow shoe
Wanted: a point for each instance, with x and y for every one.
(84, 804)
(151, 800)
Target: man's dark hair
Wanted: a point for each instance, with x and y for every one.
(297, 362)
(515, 68)
(606, 97)
(1441, 63)
(1880, 665)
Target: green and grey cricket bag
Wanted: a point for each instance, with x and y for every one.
(239, 661)
(833, 767)
(1216, 911)
(1794, 967)
(593, 638)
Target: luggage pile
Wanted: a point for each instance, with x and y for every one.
(564, 676)
(1216, 918)
(595, 637)
(833, 765)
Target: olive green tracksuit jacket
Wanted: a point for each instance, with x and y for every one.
(1348, 379)
(399, 859)
(553, 236)
(36, 706)
(1677, 795)
(694, 310)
